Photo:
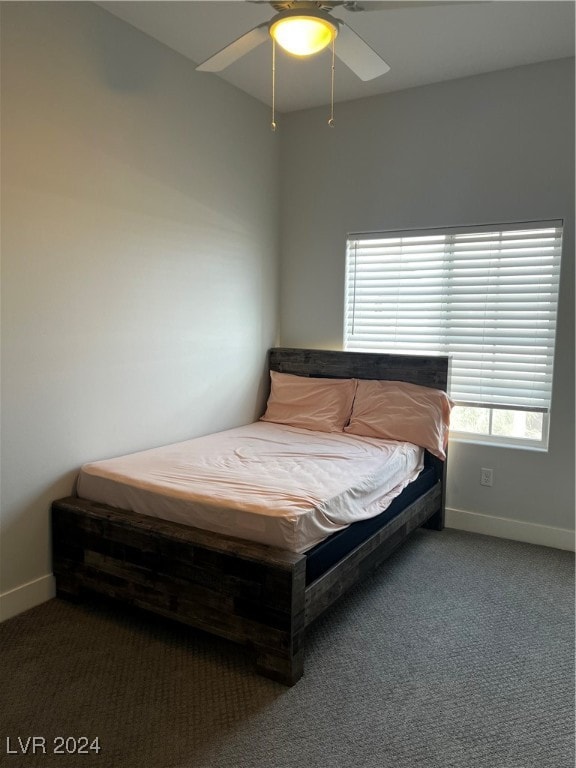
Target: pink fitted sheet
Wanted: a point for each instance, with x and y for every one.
(265, 482)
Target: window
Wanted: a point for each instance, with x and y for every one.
(487, 296)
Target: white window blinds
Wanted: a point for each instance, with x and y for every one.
(487, 296)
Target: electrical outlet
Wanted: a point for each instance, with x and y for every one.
(486, 477)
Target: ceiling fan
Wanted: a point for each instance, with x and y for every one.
(304, 28)
(299, 23)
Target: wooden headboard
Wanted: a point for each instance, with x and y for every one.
(426, 371)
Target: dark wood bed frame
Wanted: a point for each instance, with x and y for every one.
(246, 592)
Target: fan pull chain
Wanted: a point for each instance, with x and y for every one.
(273, 124)
(331, 119)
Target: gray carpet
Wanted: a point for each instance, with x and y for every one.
(459, 652)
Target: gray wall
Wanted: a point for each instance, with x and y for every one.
(492, 148)
(139, 259)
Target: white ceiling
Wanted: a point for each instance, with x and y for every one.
(421, 44)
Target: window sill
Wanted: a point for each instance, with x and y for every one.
(490, 442)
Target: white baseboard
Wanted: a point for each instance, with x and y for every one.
(27, 596)
(503, 528)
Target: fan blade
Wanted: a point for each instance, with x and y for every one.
(377, 5)
(235, 50)
(357, 54)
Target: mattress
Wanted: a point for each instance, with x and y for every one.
(277, 485)
(333, 549)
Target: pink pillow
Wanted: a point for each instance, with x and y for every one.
(320, 404)
(395, 410)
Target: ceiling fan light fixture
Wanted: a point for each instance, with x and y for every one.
(303, 34)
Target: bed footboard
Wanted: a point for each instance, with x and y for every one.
(249, 593)
(245, 592)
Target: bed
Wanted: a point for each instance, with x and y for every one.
(263, 593)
